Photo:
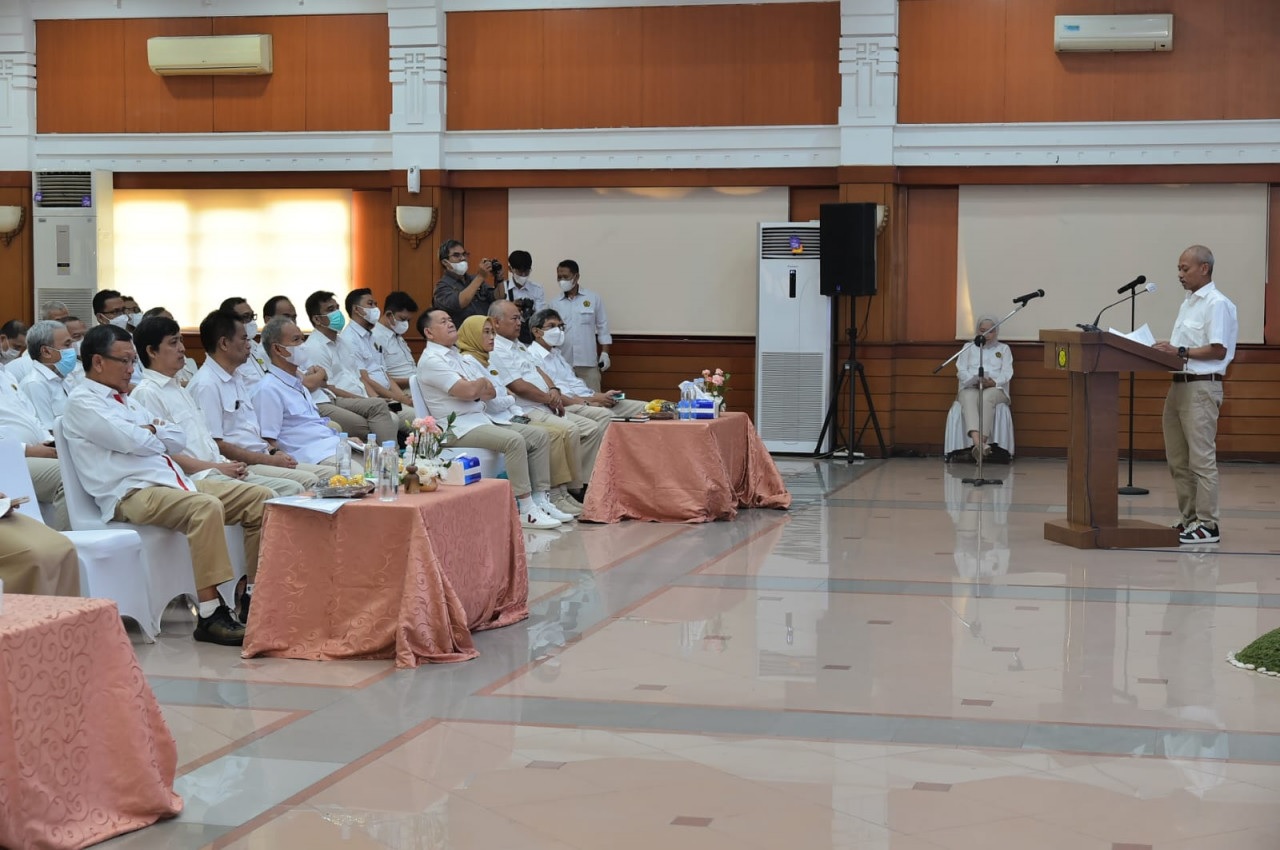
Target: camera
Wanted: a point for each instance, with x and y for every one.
(495, 267)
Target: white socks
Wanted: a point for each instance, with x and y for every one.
(208, 608)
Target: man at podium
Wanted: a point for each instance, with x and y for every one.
(1204, 336)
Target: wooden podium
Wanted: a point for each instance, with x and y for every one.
(1095, 360)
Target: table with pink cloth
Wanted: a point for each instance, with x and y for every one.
(84, 750)
(409, 580)
(683, 471)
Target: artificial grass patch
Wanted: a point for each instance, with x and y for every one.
(1263, 655)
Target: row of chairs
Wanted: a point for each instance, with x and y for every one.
(141, 568)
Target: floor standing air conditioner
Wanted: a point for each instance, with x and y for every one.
(73, 238)
(793, 356)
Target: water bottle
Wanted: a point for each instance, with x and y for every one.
(388, 473)
(343, 455)
(686, 403)
(371, 458)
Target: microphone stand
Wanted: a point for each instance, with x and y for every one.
(1129, 489)
(980, 342)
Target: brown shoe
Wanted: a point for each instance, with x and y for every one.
(219, 627)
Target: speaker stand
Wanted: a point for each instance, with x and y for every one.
(842, 440)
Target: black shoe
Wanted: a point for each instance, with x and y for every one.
(242, 607)
(219, 627)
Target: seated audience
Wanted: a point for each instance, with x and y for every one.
(226, 402)
(55, 311)
(132, 312)
(398, 310)
(188, 370)
(53, 360)
(548, 336)
(341, 396)
(446, 389)
(362, 353)
(475, 343)
(36, 559)
(997, 363)
(19, 422)
(123, 457)
(288, 418)
(540, 395)
(158, 340)
(459, 294)
(13, 345)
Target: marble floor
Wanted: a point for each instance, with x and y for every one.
(900, 662)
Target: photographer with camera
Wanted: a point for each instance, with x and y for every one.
(462, 295)
(523, 287)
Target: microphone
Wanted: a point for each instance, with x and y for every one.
(1150, 287)
(1023, 299)
(1133, 284)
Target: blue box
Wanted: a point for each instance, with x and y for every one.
(704, 408)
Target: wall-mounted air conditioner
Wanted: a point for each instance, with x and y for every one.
(1112, 33)
(72, 238)
(209, 54)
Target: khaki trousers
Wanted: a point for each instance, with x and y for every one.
(305, 475)
(589, 375)
(588, 431)
(969, 401)
(1190, 444)
(36, 559)
(46, 475)
(525, 448)
(564, 454)
(277, 486)
(360, 417)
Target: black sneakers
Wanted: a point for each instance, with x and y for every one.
(1198, 532)
(220, 627)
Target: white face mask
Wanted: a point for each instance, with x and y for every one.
(459, 268)
(299, 357)
(520, 279)
(566, 285)
(76, 344)
(9, 354)
(372, 314)
(135, 318)
(553, 337)
(251, 328)
(400, 328)
(121, 321)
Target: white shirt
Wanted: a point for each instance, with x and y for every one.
(997, 364)
(396, 355)
(254, 369)
(328, 354)
(533, 291)
(585, 323)
(557, 368)
(227, 405)
(113, 452)
(18, 419)
(167, 399)
(19, 367)
(1206, 317)
(287, 415)
(503, 405)
(357, 348)
(514, 363)
(438, 370)
(47, 391)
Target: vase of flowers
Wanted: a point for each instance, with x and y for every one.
(716, 384)
(422, 450)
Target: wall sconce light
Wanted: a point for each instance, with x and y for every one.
(11, 221)
(415, 223)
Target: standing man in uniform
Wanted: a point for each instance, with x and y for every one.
(587, 339)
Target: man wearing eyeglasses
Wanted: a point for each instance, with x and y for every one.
(459, 294)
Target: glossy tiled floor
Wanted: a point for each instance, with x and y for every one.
(899, 663)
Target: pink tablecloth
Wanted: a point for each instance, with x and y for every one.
(408, 580)
(84, 751)
(681, 471)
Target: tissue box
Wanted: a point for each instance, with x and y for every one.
(465, 469)
(704, 408)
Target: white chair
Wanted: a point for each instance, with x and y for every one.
(165, 553)
(1001, 429)
(110, 561)
(491, 463)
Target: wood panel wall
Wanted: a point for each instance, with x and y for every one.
(666, 66)
(992, 61)
(330, 73)
(16, 272)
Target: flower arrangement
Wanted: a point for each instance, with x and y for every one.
(715, 383)
(427, 440)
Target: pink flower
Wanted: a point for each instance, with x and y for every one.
(719, 371)
(428, 422)
(411, 440)
(718, 380)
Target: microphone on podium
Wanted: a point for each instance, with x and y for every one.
(1023, 299)
(1133, 284)
(1150, 287)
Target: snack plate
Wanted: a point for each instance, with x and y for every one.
(347, 491)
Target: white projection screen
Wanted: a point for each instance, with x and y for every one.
(1080, 243)
(679, 261)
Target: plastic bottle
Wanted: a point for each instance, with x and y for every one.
(371, 457)
(686, 402)
(388, 473)
(343, 455)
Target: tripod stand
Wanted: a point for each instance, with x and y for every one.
(843, 380)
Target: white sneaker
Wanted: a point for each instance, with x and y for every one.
(535, 517)
(541, 500)
(564, 503)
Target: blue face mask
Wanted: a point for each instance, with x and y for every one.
(337, 320)
(66, 362)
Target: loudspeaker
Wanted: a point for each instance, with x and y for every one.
(848, 240)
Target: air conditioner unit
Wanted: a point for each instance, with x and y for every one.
(209, 54)
(793, 352)
(1112, 33)
(73, 237)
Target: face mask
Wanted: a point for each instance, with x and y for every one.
(299, 357)
(9, 354)
(121, 321)
(66, 362)
(372, 314)
(566, 285)
(75, 346)
(520, 279)
(400, 328)
(553, 337)
(459, 268)
(134, 318)
(251, 328)
(337, 321)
